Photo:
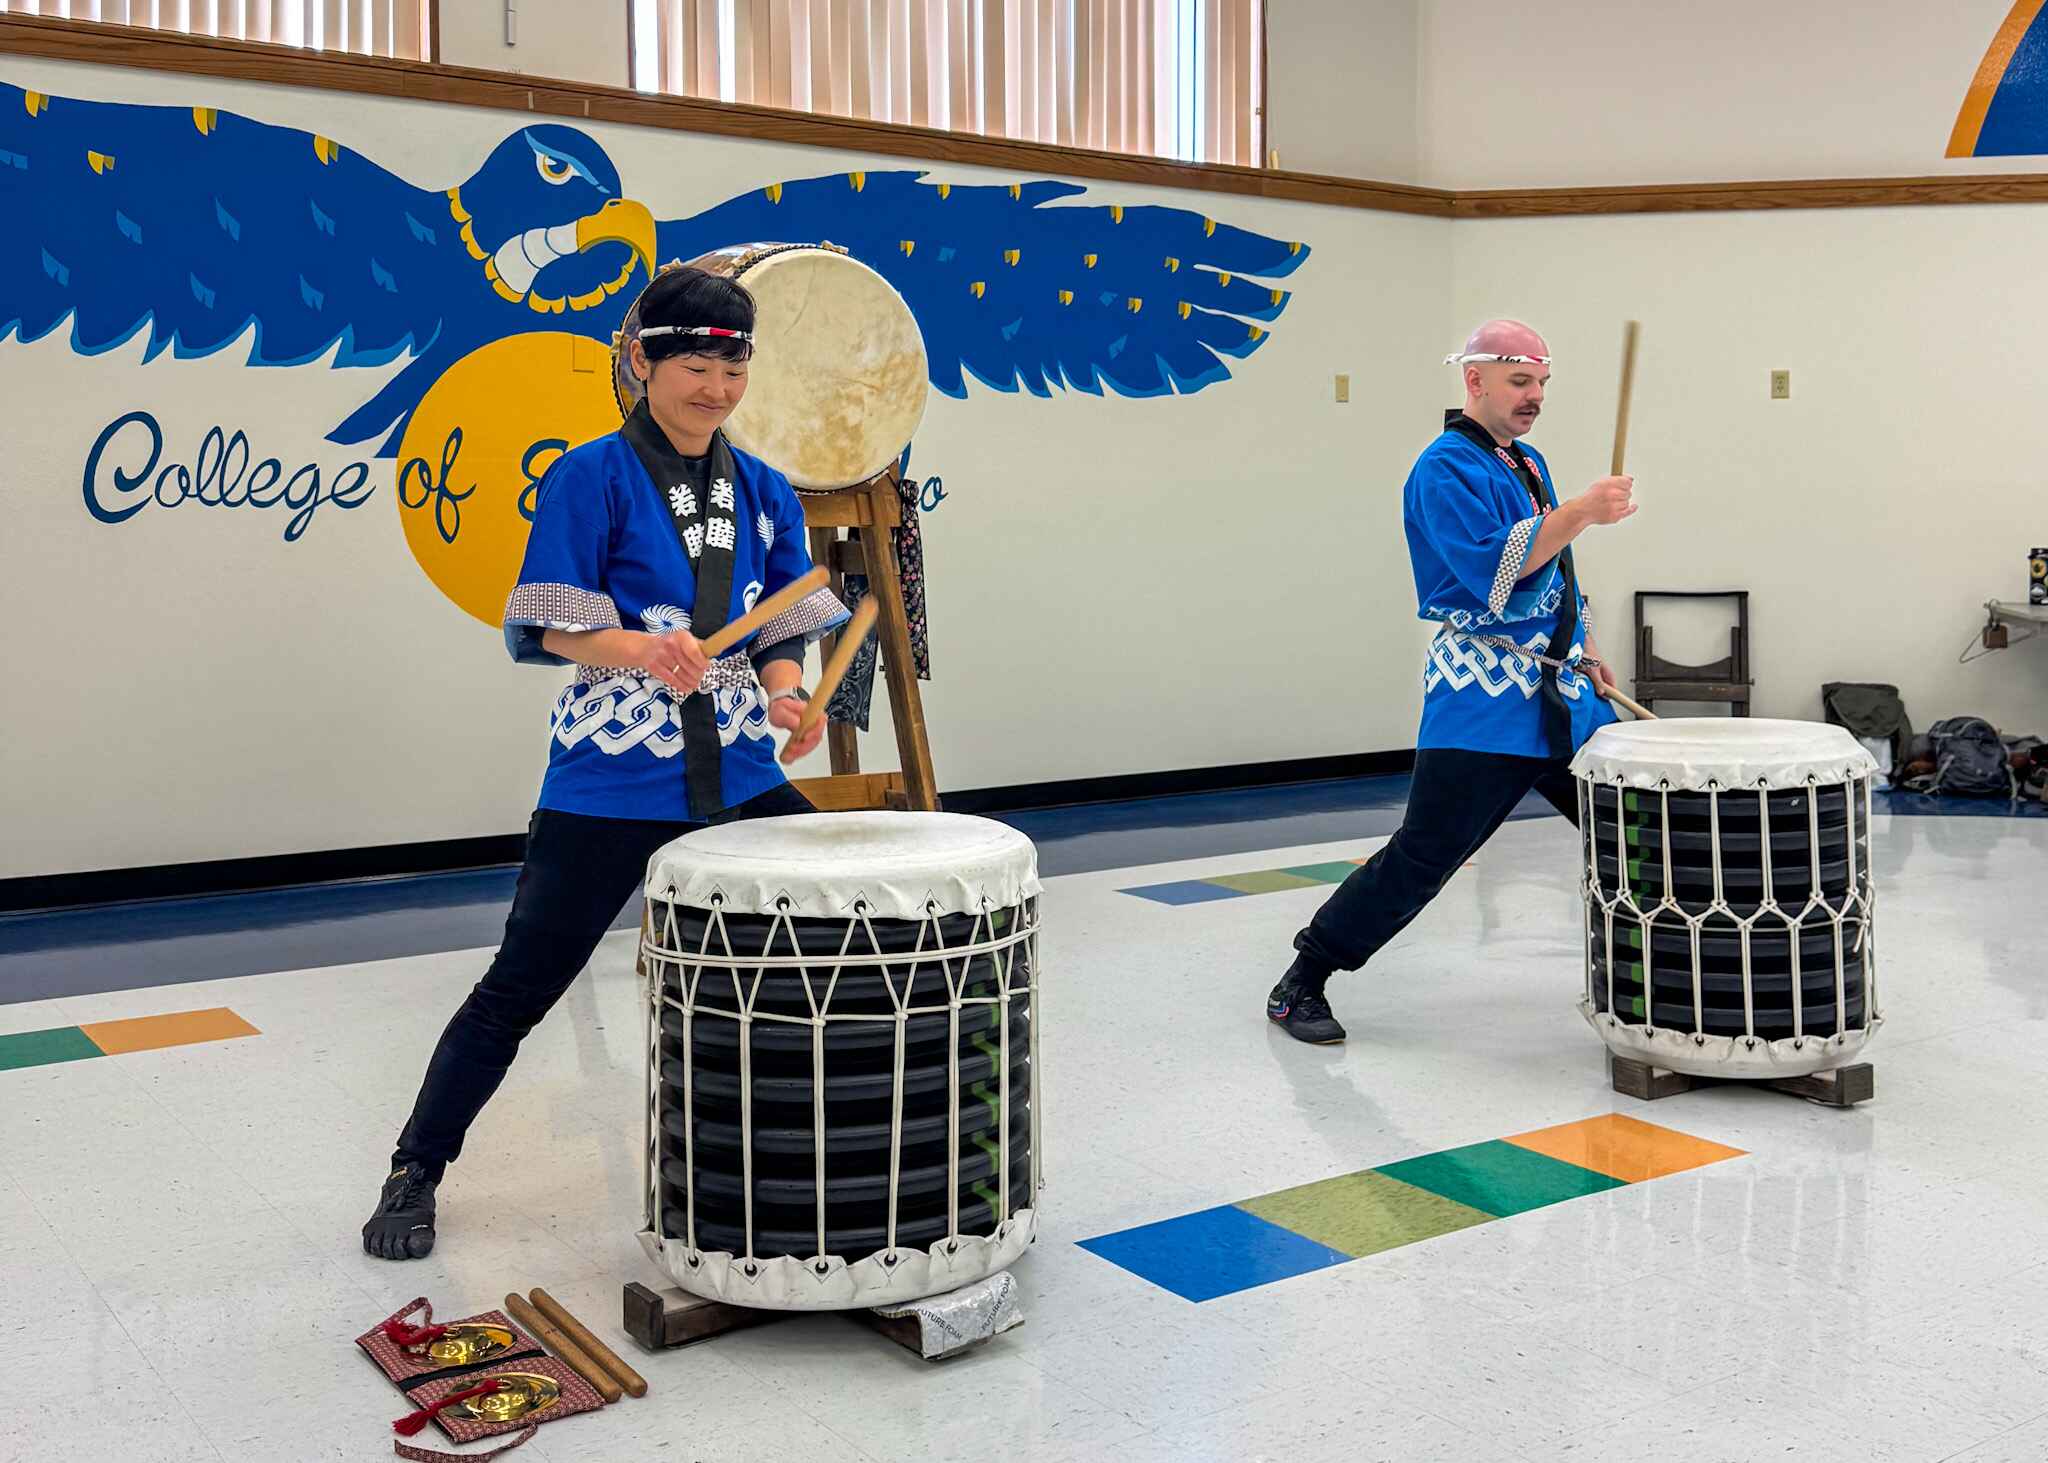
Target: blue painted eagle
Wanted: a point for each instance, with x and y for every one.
(196, 228)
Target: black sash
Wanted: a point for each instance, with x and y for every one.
(1557, 718)
(708, 531)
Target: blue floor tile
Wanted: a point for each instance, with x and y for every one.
(1184, 891)
(1213, 1252)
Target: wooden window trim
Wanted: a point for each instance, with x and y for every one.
(96, 43)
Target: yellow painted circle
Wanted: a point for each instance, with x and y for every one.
(476, 449)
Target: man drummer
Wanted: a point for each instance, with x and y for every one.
(1513, 684)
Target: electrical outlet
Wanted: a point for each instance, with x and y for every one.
(1781, 385)
(1343, 388)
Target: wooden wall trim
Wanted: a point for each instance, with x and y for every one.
(1956, 188)
(106, 45)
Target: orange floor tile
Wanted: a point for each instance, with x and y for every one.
(181, 1028)
(1624, 1148)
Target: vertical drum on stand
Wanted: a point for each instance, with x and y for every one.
(840, 377)
(842, 1058)
(1728, 896)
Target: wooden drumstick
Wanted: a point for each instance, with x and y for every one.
(603, 1355)
(850, 639)
(1628, 381)
(1615, 694)
(568, 1351)
(718, 642)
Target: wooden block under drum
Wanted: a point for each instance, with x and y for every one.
(1640, 1079)
(1842, 1087)
(665, 1319)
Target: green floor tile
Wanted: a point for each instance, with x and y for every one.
(1324, 873)
(38, 1048)
(1273, 881)
(1364, 1213)
(1499, 1178)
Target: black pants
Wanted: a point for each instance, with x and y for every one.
(579, 873)
(1455, 803)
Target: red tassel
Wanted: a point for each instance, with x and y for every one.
(400, 1334)
(407, 1427)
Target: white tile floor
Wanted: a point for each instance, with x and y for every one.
(180, 1273)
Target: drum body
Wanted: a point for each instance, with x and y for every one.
(842, 1050)
(838, 382)
(1728, 897)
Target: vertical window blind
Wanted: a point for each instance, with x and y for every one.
(395, 28)
(1171, 78)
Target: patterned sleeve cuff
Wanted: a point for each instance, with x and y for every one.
(560, 607)
(532, 609)
(1513, 555)
(814, 615)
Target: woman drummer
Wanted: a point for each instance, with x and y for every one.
(643, 543)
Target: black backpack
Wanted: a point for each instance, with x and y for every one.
(1970, 760)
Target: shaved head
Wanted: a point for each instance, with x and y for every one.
(1505, 338)
(1505, 397)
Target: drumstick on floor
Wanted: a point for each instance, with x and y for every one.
(850, 640)
(718, 642)
(571, 1355)
(576, 1331)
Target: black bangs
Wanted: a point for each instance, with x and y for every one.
(687, 297)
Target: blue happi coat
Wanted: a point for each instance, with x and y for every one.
(1471, 520)
(604, 554)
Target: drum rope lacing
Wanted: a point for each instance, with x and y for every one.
(667, 948)
(1858, 900)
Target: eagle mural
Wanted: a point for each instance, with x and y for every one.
(199, 231)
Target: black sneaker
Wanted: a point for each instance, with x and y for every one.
(403, 1226)
(1303, 1012)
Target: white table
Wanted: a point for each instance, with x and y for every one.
(2002, 613)
(2012, 611)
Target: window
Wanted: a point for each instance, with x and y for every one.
(397, 28)
(1173, 78)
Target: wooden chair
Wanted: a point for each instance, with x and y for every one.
(1726, 680)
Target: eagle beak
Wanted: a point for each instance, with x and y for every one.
(621, 221)
(520, 259)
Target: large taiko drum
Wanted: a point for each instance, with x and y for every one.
(1728, 896)
(842, 1057)
(839, 379)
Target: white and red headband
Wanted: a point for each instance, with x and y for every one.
(1473, 358)
(711, 330)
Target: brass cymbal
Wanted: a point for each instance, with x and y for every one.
(470, 1342)
(519, 1394)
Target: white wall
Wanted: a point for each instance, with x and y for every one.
(576, 40)
(1116, 585)
(1616, 91)
(1873, 513)
(1342, 80)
